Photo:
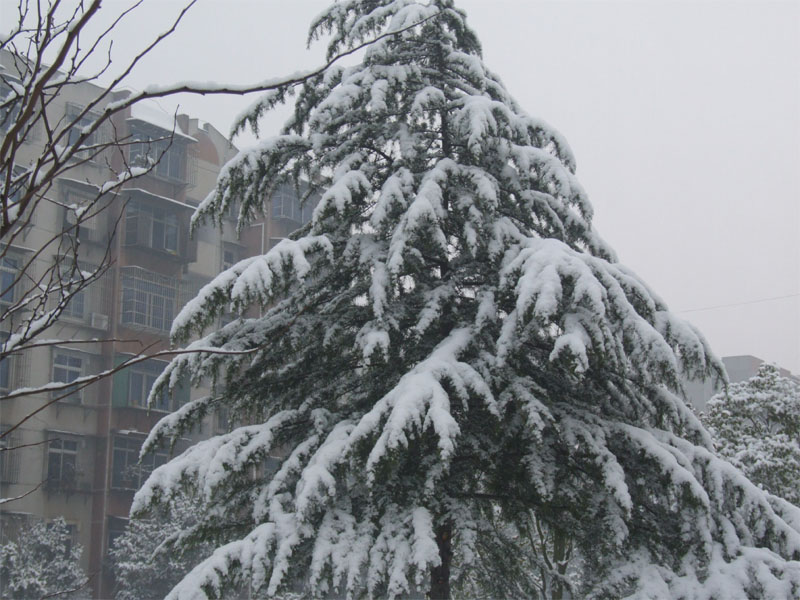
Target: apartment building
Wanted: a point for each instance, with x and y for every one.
(78, 457)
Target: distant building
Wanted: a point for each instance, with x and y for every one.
(739, 368)
(80, 454)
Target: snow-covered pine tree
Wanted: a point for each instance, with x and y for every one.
(756, 426)
(43, 562)
(446, 349)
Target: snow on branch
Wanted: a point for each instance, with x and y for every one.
(252, 280)
(207, 465)
(420, 401)
(214, 573)
(599, 309)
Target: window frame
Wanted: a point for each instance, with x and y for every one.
(8, 115)
(116, 528)
(76, 124)
(68, 473)
(6, 367)
(147, 303)
(158, 227)
(286, 204)
(132, 472)
(230, 256)
(10, 460)
(165, 154)
(90, 228)
(68, 368)
(77, 307)
(147, 371)
(9, 275)
(13, 198)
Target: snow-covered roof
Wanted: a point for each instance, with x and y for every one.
(148, 111)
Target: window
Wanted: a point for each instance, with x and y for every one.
(126, 472)
(223, 422)
(17, 185)
(5, 366)
(167, 155)
(62, 463)
(9, 271)
(67, 367)
(229, 258)
(9, 106)
(116, 527)
(151, 226)
(9, 459)
(72, 278)
(90, 228)
(272, 465)
(141, 378)
(5, 374)
(13, 524)
(72, 537)
(78, 124)
(232, 212)
(76, 307)
(286, 205)
(148, 299)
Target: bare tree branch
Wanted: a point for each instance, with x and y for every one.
(21, 496)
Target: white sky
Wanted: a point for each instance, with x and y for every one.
(684, 117)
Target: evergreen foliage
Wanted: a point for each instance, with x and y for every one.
(43, 562)
(447, 349)
(151, 557)
(756, 426)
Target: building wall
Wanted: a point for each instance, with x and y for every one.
(75, 448)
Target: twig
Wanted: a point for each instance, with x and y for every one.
(6, 500)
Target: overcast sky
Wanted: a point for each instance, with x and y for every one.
(684, 118)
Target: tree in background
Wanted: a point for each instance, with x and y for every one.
(756, 426)
(147, 561)
(447, 356)
(43, 561)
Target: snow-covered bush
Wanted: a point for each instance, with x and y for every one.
(43, 562)
(756, 426)
(446, 351)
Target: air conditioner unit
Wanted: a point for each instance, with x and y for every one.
(99, 321)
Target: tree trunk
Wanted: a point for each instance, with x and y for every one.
(562, 548)
(440, 576)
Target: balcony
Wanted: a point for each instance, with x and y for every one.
(158, 225)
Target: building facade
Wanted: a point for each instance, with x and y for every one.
(77, 456)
